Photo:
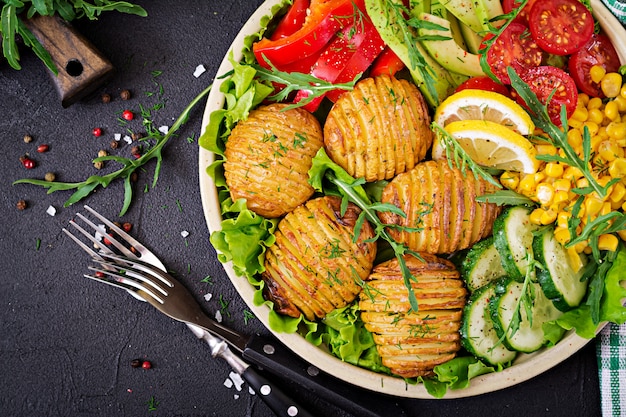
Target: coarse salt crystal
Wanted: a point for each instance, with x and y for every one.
(117, 136)
(237, 380)
(218, 316)
(208, 296)
(128, 139)
(228, 383)
(99, 235)
(51, 211)
(251, 391)
(236, 396)
(199, 71)
(184, 233)
(164, 129)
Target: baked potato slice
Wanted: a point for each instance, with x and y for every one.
(379, 129)
(316, 265)
(268, 156)
(411, 343)
(442, 214)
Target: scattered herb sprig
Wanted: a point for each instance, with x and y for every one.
(84, 188)
(12, 25)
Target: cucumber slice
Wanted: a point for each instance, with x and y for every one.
(478, 335)
(529, 337)
(482, 265)
(513, 238)
(560, 282)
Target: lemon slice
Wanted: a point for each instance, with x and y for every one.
(491, 145)
(484, 105)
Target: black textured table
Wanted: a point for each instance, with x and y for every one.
(66, 343)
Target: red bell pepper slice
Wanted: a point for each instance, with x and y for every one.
(292, 21)
(326, 18)
(386, 63)
(349, 54)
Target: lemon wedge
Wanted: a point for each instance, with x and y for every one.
(491, 145)
(484, 105)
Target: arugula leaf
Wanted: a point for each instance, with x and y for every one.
(87, 186)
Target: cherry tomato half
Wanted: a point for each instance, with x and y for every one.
(543, 81)
(513, 48)
(483, 83)
(522, 16)
(598, 51)
(560, 27)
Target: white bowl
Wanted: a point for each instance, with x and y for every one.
(525, 367)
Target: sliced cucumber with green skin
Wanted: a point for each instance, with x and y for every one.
(482, 265)
(478, 336)
(529, 337)
(513, 238)
(559, 281)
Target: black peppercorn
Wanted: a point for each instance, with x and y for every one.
(106, 97)
(125, 95)
(136, 363)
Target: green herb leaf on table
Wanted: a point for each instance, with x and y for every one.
(84, 188)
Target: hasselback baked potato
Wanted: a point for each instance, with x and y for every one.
(379, 129)
(268, 157)
(311, 267)
(442, 214)
(412, 343)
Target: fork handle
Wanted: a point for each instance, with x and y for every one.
(279, 402)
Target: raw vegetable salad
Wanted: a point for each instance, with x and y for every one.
(309, 53)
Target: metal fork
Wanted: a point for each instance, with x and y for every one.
(141, 273)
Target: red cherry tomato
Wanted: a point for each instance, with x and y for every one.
(598, 51)
(522, 16)
(543, 81)
(513, 48)
(483, 83)
(292, 21)
(560, 27)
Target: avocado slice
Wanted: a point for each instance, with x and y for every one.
(441, 45)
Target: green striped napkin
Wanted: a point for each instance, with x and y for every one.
(611, 353)
(618, 8)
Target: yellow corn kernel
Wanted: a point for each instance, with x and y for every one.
(621, 103)
(603, 133)
(583, 99)
(592, 126)
(582, 183)
(539, 176)
(595, 116)
(562, 218)
(575, 260)
(611, 84)
(554, 169)
(622, 91)
(593, 206)
(575, 123)
(606, 209)
(580, 114)
(561, 234)
(616, 131)
(527, 183)
(617, 168)
(622, 234)
(587, 250)
(618, 193)
(607, 241)
(560, 197)
(611, 111)
(536, 215)
(544, 193)
(572, 173)
(562, 185)
(596, 73)
(580, 246)
(545, 149)
(608, 150)
(510, 180)
(575, 138)
(595, 142)
(548, 217)
(594, 103)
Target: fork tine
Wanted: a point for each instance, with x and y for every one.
(128, 280)
(80, 243)
(139, 266)
(133, 242)
(104, 234)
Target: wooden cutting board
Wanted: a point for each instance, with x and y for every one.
(81, 67)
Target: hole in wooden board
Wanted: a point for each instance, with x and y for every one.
(74, 67)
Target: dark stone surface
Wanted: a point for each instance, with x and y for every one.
(65, 342)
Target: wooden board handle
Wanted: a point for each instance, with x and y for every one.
(82, 68)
